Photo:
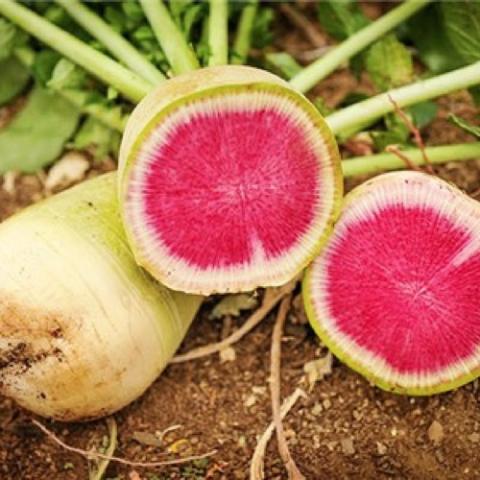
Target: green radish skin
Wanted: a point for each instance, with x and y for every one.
(83, 330)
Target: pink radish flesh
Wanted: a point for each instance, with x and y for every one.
(223, 184)
(230, 189)
(397, 286)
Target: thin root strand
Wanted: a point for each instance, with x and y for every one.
(275, 380)
(272, 298)
(89, 455)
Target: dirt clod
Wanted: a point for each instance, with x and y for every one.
(435, 432)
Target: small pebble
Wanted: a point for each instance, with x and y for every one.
(381, 448)
(347, 446)
(435, 432)
(474, 437)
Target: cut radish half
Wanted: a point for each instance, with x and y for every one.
(229, 180)
(395, 294)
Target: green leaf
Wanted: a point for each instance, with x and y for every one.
(465, 125)
(475, 93)
(233, 305)
(57, 15)
(133, 11)
(423, 113)
(341, 18)
(13, 79)
(461, 21)
(67, 75)
(283, 64)
(112, 94)
(262, 33)
(44, 64)
(37, 134)
(322, 107)
(7, 39)
(193, 15)
(178, 8)
(116, 18)
(94, 134)
(389, 63)
(143, 33)
(396, 133)
(430, 35)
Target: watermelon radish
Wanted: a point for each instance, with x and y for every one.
(229, 180)
(83, 330)
(395, 293)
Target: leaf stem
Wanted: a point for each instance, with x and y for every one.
(241, 44)
(179, 54)
(371, 164)
(110, 117)
(321, 68)
(361, 114)
(112, 73)
(115, 43)
(218, 33)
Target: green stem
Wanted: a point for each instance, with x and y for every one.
(115, 43)
(361, 114)
(241, 45)
(318, 70)
(371, 164)
(179, 54)
(218, 33)
(112, 73)
(110, 117)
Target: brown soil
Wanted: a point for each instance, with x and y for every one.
(345, 428)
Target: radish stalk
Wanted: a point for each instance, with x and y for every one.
(321, 68)
(106, 115)
(351, 119)
(218, 33)
(110, 118)
(179, 54)
(242, 42)
(371, 164)
(345, 121)
(118, 46)
(101, 66)
(84, 331)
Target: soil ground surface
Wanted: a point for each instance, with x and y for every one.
(343, 429)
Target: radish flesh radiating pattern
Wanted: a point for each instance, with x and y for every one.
(396, 291)
(231, 187)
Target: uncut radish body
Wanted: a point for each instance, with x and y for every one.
(83, 330)
(396, 291)
(229, 180)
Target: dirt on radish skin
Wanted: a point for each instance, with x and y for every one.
(235, 152)
(395, 293)
(68, 344)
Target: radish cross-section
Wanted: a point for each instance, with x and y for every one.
(231, 187)
(396, 292)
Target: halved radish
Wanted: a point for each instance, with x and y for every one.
(229, 180)
(396, 292)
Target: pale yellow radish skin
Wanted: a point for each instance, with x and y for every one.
(83, 330)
